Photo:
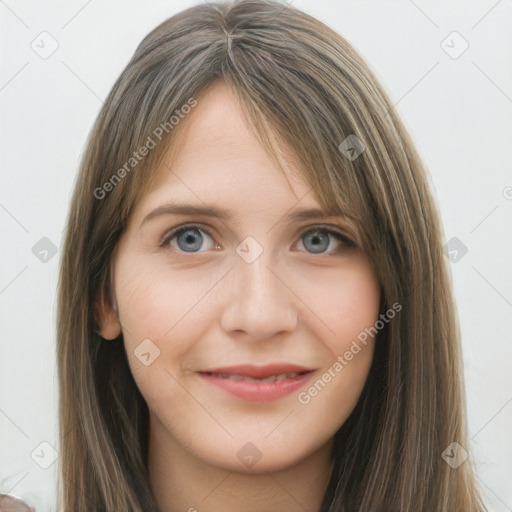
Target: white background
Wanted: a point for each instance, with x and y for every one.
(459, 112)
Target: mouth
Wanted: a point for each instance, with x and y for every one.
(258, 383)
(271, 378)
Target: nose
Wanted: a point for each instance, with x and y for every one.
(259, 302)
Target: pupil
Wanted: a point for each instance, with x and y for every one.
(190, 238)
(316, 239)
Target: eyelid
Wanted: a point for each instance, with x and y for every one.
(331, 228)
(190, 225)
(337, 230)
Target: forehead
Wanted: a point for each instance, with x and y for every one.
(216, 158)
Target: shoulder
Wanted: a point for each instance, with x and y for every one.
(10, 503)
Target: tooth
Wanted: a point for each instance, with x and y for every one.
(236, 377)
(271, 378)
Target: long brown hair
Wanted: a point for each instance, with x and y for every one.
(299, 84)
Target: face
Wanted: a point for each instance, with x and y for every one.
(210, 314)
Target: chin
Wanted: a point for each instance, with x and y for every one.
(258, 457)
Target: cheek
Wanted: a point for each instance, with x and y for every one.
(347, 301)
(161, 306)
(154, 318)
(349, 306)
(152, 302)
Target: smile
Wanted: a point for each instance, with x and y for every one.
(258, 384)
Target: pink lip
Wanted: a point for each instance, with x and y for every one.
(258, 391)
(259, 372)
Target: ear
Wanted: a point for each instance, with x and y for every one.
(105, 315)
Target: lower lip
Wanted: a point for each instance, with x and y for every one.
(254, 391)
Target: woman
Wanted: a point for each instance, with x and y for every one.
(258, 372)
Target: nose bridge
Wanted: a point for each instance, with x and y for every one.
(258, 281)
(259, 303)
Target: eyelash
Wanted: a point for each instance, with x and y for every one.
(345, 241)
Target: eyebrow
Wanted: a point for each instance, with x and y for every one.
(297, 215)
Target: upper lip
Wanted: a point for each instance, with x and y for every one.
(259, 372)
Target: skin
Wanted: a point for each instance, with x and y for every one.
(211, 308)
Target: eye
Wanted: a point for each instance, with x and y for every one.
(317, 240)
(188, 238)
